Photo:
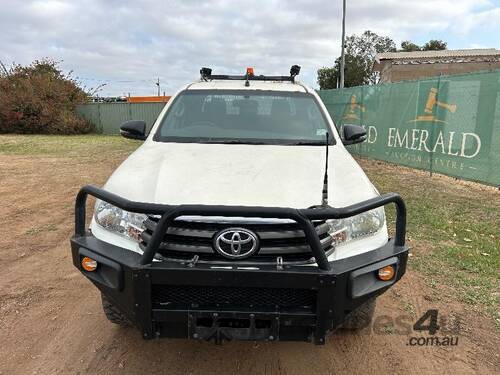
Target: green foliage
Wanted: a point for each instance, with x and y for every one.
(360, 53)
(431, 45)
(328, 77)
(368, 45)
(39, 98)
(434, 45)
(355, 73)
(408, 46)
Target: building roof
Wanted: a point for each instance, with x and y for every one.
(437, 54)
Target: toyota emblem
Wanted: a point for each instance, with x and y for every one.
(236, 243)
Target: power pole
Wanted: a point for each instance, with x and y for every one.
(342, 56)
(158, 84)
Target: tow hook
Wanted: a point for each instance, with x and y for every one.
(193, 261)
(279, 263)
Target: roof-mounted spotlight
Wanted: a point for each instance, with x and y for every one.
(294, 71)
(205, 73)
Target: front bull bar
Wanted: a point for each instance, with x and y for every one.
(303, 217)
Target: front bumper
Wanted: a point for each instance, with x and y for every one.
(205, 301)
(330, 296)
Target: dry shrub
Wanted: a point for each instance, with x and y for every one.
(40, 99)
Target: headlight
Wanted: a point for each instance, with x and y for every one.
(362, 225)
(115, 219)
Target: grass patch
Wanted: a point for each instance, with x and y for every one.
(410, 309)
(44, 228)
(454, 232)
(67, 145)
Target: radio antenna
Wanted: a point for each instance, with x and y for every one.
(324, 200)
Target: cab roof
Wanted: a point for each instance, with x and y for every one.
(253, 85)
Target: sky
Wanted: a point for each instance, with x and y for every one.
(127, 45)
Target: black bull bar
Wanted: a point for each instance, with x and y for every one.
(303, 217)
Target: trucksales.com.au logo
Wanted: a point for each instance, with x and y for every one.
(431, 329)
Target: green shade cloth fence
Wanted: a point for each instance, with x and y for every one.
(447, 124)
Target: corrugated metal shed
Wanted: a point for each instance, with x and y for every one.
(437, 54)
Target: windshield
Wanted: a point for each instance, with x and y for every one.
(232, 116)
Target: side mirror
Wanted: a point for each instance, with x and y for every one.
(353, 134)
(134, 129)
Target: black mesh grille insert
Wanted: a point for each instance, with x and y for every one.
(199, 296)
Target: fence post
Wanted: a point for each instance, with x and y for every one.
(431, 157)
(99, 115)
(129, 108)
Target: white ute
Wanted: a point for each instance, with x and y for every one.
(243, 141)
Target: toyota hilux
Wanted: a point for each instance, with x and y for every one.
(241, 216)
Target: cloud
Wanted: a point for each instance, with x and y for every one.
(127, 45)
(488, 19)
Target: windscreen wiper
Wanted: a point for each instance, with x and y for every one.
(307, 143)
(236, 142)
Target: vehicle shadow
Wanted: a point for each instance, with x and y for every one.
(127, 350)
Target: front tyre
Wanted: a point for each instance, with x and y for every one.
(112, 313)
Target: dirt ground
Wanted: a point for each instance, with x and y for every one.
(51, 320)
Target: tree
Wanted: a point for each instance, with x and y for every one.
(431, 45)
(360, 53)
(435, 45)
(39, 98)
(408, 46)
(355, 73)
(328, 77)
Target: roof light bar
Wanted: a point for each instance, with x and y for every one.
(294, 70)
(205, 73)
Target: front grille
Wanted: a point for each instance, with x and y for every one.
(208, 296)
(184, 239)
